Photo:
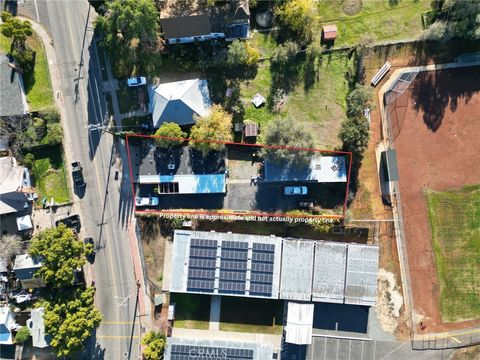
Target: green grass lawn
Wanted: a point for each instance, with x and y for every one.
(39, 92)
(380, 18)
(251, 315)
(320, 107)
(39, 89)
(49, 174)
(192, 311)
(455, 221)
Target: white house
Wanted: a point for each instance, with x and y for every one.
(179, 101)
(7, 324)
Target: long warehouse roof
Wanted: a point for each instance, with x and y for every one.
(272, 267)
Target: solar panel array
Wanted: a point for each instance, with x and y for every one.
(201, 265)
(233, 267)
(261, 276)
(188, 352)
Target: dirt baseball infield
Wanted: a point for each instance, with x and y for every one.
(436, 130)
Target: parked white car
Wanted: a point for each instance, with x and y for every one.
(137, 81)
(146, 201)
(295, 190)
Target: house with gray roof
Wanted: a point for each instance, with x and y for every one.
(179, 171)
(12, 94)
(179, 102)
(25, 269)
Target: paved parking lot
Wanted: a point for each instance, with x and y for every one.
(325, 348)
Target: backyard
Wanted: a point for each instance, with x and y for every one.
(49, 176)
(316, 96)
(383, 20)
(456, 239)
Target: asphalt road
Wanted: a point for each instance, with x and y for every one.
(105, 203)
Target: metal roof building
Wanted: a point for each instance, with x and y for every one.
(225, 263)
(329, 272)
(187, 349)
(188, 183)
(322, 169)
(272, 267)
(297, 275)
(361, 277)
(299, 323)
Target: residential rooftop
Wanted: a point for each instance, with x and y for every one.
(12, 95)
(322, 169)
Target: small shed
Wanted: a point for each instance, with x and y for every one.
(258, 100)
(250, 130)
(329, 33)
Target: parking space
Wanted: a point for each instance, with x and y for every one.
(326, 348)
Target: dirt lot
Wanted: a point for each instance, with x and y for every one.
(437, 119)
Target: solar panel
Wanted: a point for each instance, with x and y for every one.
(231, 287)
(201, 263)
(263, 247)
(233, 275)
(234, 245)
(233, 265)
(203, 243)
(203, 253)
(261, 278)
(201, 274)
(260, 289)
(262, 267)
(234, 254)
(188, 352)
(200, 285)
(264, 257)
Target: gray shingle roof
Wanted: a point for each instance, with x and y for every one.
(11, 92)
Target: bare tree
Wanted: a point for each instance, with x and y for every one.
(10, 245)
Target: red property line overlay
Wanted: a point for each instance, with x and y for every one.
(238, 212)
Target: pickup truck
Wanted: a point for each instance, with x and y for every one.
(77, 174)
(72, 222)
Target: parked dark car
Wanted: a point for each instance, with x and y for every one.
(77, 174)
(72, 222)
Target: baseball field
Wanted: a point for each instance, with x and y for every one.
(435, 128)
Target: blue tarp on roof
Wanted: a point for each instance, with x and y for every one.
(237, 31)
(4, 333)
